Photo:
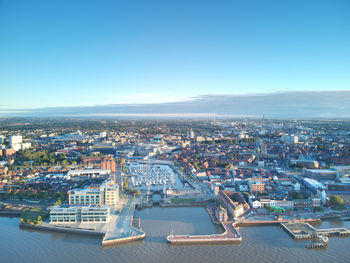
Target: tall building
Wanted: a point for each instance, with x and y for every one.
(289, 139)
(190, 134)
(15, 139)
(16, 143)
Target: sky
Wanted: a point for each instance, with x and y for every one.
(97, 52)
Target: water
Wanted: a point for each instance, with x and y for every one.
(260, 244)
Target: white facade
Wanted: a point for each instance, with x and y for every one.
(289, 139)
(83, 214)
(16, 147)
(109, 193)
(84, 197)
(15, 139)
(256, 204)
(106, 194)
(26, 145)
(88, 173)
(282, 203)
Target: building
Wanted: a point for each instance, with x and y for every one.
(8, 152)
(320, 174)
(282, 203)
(255, 203)
(77, 175)
(310, 164)
(289, 139)
(256, 187)
(302, 203)
(16, 143)
(110, 193)
(108, 163)
(84, 197)
(106, 194)
(26, 145)
(15, 139)
(190, 134)
(234, 202)
(80, 214)
(221, 214)
(102, 162)
(63, 214)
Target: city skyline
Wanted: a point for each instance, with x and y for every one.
(64, 54)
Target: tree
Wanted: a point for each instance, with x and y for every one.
(297, 195)
(58, 202)
(336, 201)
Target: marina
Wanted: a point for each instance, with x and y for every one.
(153, 175)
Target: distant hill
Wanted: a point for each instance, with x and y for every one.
(305, 104)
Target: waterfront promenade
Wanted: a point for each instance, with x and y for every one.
(120, 229)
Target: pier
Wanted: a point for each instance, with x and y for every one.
(274, 222)
(302, 230)
(230, 235)
(123, 230)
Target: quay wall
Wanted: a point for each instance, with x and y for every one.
(122, 240)
(11, 213)
(62, 229)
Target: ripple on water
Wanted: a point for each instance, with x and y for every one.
(260, 244)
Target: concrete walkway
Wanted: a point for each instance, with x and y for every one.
(121, 229)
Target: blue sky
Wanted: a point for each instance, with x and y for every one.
(94, 52)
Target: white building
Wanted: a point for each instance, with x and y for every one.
(16, 143)
(256, 204)
(190, 134)
(83, 214)
(84, 197)
(16, 146)
(88, 174)
(282, 203)
(106, 194)
(289, 139)
(15, 139)
(26, 145)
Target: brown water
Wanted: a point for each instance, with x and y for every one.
(260, 244)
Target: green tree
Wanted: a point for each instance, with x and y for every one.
(336, 201)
